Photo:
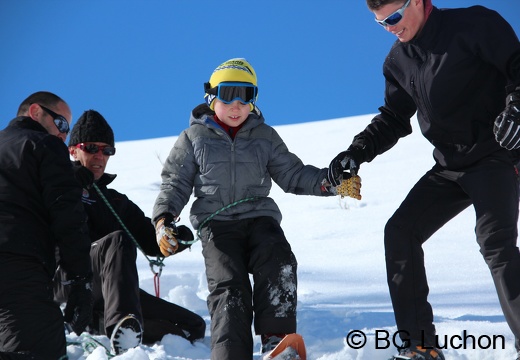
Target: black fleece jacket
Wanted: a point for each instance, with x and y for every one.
(455, 74)
(101, 221)
(40, 207)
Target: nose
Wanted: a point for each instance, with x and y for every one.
(236, 104)
(98, 154)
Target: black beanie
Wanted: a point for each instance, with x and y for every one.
(91, 127)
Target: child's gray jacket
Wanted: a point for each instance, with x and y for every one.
(222, 171)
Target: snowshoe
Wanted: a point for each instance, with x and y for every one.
(291, 347)
(127, 334)
(418, 353)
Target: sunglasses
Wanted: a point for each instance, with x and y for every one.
(94, 149)
(227, 92)
(61, 123)
(394, 18)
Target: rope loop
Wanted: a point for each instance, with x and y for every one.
(159, 263)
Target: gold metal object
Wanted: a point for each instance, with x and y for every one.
(350, 187)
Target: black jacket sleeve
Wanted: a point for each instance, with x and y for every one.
(62, 197)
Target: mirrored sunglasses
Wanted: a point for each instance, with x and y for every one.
(394, 18)
(227, 92)
(61, 123)
(94, 149)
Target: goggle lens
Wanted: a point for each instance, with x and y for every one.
(227, 92)
(94, 149)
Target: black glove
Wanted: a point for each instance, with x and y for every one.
(507, 124)
(345, 160)
(185, 234)
(78, 311)
(83, 176)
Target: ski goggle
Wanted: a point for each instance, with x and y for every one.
(227, 92)
(94, 149)
(393, 18)
(61, 123)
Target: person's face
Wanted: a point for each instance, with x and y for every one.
(411, 22)
(233, 114)
(37, 113)
(96, 163)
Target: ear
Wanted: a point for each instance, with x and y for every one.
(72, 152)
(34, 112)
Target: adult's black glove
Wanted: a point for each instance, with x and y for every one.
(507, 124)
(78, 311)
(185, 234)
(83, 176)
(345, 160)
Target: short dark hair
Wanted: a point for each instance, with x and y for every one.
(44, 98)
(378, 4)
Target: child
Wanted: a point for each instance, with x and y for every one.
(228, 156)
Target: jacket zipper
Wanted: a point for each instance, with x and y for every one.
(422, 89)
(233, 171)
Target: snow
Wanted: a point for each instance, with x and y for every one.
(339, 247)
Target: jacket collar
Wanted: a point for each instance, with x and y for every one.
(25, 122)
(429, 31)
(105, 179)
(428, 7)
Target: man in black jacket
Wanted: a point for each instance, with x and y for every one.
(455, 68)
(118, 300)
(40, 212)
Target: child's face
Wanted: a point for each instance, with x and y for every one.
(233, 114)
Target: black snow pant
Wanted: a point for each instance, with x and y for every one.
(116, 293)
(31, 323)
(232, 250)
(115, 278)
(491, 186)
(162, 317)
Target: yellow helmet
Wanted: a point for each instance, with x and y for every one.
(232, 70)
